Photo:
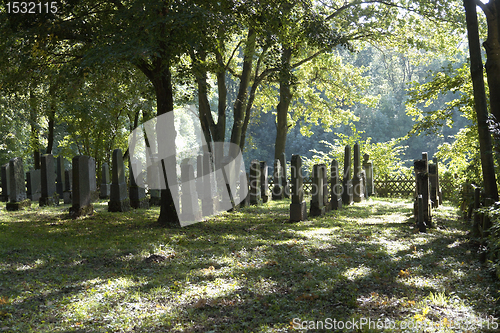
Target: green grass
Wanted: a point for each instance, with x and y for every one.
(247, 271)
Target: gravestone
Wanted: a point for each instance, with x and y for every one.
(284, 177)
(347, 195)
(298, 209)
(68, 185)
(317, 201)
(189, 198)
(368, 168)
(155, 181)
(358, 186)
(105, 183)
(94, 193)
(255, 177)
(118, 197)
(60, 176)
(34, 185)
(264, 184)
(421, 169)
(137, 194)
(5, 182)
(433, 192)
(277, 180)
(244, 189)
(49, 194)
(335, 187)
(207, 201)
(81, 194)
(325, 188)
(17, 191)
(199, 176)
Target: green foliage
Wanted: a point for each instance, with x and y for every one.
(385, 156)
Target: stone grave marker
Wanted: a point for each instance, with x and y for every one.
(317, 207)
(60, 176)
(277, 180)
(94, 193)
(243, 189)
(68, 185)
(347, 195)
(81, 194)
(335, 187)
(49, 193)
(255, 177)
(34, 185)
(298, 209)
(105, 182)
(189, 198)
(17, 192)
(5, 182)
(118, 198)
(368, 168)
(137, 194)
(421, 169)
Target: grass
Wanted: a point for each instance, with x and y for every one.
(247, 271)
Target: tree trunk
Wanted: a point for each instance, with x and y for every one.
(283, 106)
(241, 99)
(476, 68)
(35, 133)
(162, 83)
(52, 119)
(492, 47)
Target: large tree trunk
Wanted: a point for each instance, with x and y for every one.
(35, 133)
(283, 106)
(162, 82)
(476, 68)
(241, 99)
(52, 119)
(492, 47)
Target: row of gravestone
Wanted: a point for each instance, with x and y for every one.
(427, 191)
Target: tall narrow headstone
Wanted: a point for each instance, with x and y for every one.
(118, 199)
(49, 194)
(94, 194)
(277, 180)
(243, 189)
(60, 176)
(347, 195)
(335, 187)
(81, 196)
(189, 199)
(264, 184)
(358, 188)
(368, 168)
(255, 177)
(433, 191)
(34, 185)
(105, 183)
(68, 186)
(5, 182)
(422, 188)
(284, 177)
(137, 194)
(317, 201)
(17, 192)
(298, 209)
(207, 201)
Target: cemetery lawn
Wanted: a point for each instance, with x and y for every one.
(247, 271)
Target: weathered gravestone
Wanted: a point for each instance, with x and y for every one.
(34, 185)
(105, 187)
(118, 198)
(358, 185)
(17, 192)
(189, 198)
(49, 193)
(335, 187)
(94, 193)
(68, 185)
(81, 194)
(347, 195)
(255, 177)
(264, 184)
(422, 188)
(277, 180)
(317, 201)
(298, 209)
(60, 176)
(244, 189)
(207, 201)
(368, 168)
(137, 194)
(5, 182)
